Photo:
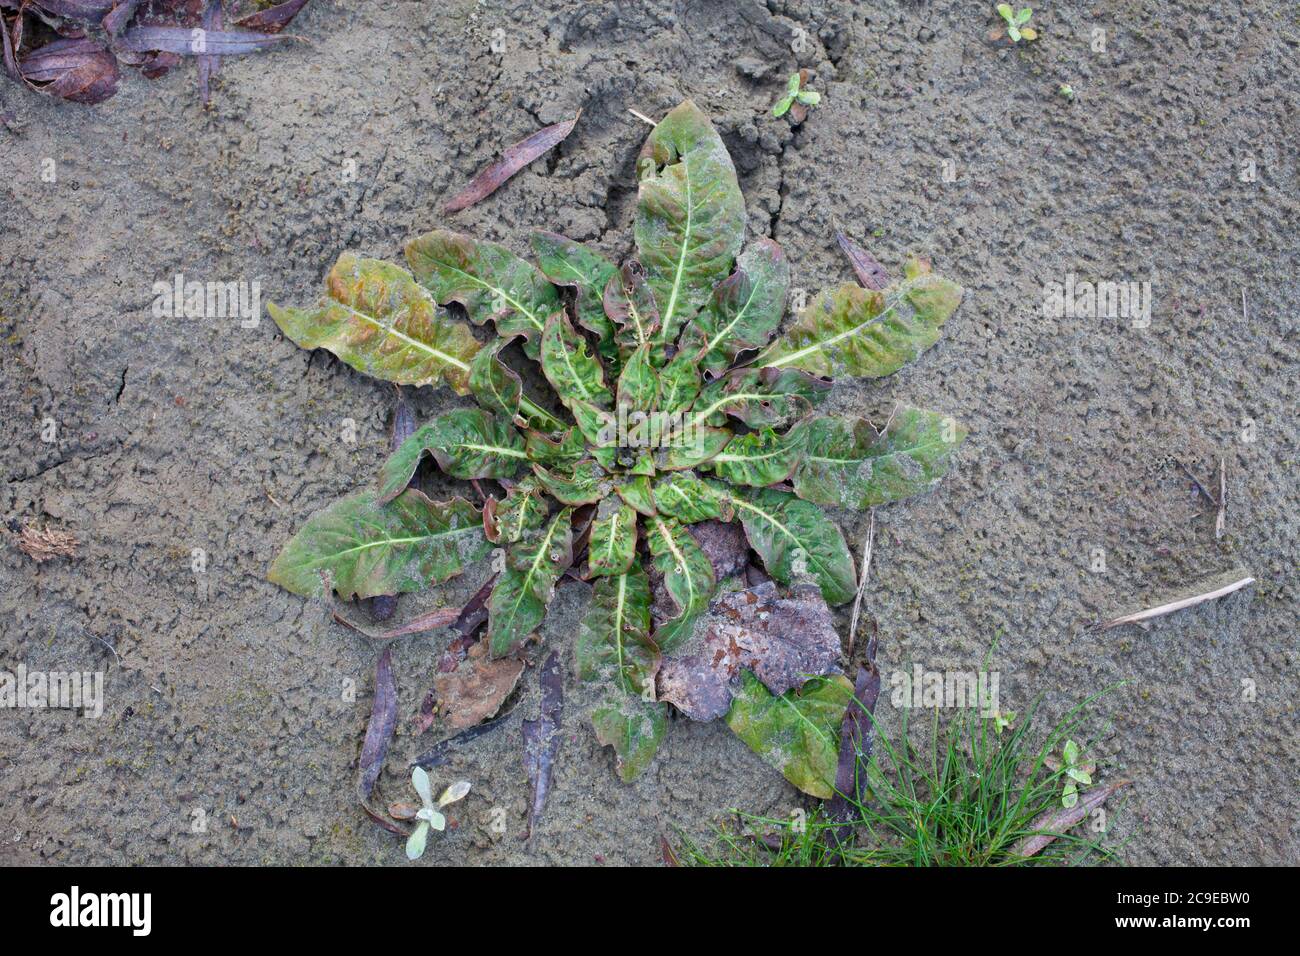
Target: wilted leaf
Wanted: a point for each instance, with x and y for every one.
(272, 19)
(183, 42)
(73, 68)
(574, 373)
(518, 602)
(782, 640)
(365, 548)
(489, 280)
(761, 397)
(870, 273)
(744, 309)
(688, 578)
(542, 740)
(524, 509)
(856, 331)
(475, 691)
(612, 547)
(848, 464)
(759, 458)
(379, 732)
(1053, 823)
(515, 158)
(788, 532)
(379, 321)
(857, 735)
(796, 732)
(690, 218)
(630, 304)
(705, 444)
(723, 544)
(466, 443)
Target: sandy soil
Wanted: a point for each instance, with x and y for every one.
(226, 697)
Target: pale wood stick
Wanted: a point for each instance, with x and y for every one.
(1172, 606)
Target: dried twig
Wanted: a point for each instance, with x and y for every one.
(862, 581)
(1221, 519)
(1169, 608)
(642, 117)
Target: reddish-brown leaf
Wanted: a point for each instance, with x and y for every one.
(512, 160)
(870, 273)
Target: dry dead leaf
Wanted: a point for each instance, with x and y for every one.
(477, 688)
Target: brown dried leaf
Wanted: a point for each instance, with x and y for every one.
(512, 160)
(869, 272)
(1057, 821)
(476, 689)
(45, 544)
(542, 740)
(783, 640)
(79, 70)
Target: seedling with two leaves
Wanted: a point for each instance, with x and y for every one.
(794, 93)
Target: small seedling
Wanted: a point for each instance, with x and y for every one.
(1075, 772)
(1017, 23)
(430, 815)
(1066, 90)
(793, 94)
(1003, 720)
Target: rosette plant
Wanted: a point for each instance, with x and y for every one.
(676, 400)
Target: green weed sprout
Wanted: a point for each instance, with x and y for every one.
(1066, 90)
(430, 816)
(793, 93)
(1075, 772)
(1004, 720)
(1017, 27)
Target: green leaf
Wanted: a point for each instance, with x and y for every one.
(415, 843)
(1005, 11)
(782, 106)
(638, 385)
(761, 397)
(688, 576)
(544, 450)
(787, 531)
(744, 310)
(793, 83)
(1013, 31)
(495, 385)
(679, 383)
(1023, 16)
(704, 444)
(798, 733)
(517, 604)
(634, 727)
(489, 280)
(636, 492)
(367, 548)
(613, 644)
(809, 97)
(1071, 752)
(613, 539)
(375, 318)
(572, 264)
(848, 464)
(857, 331)
(690, 219)
(573, 371)
(466, 442)
(689, 499)
(523, 510)
(759, 458)
(600, 430)
(586, 485)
